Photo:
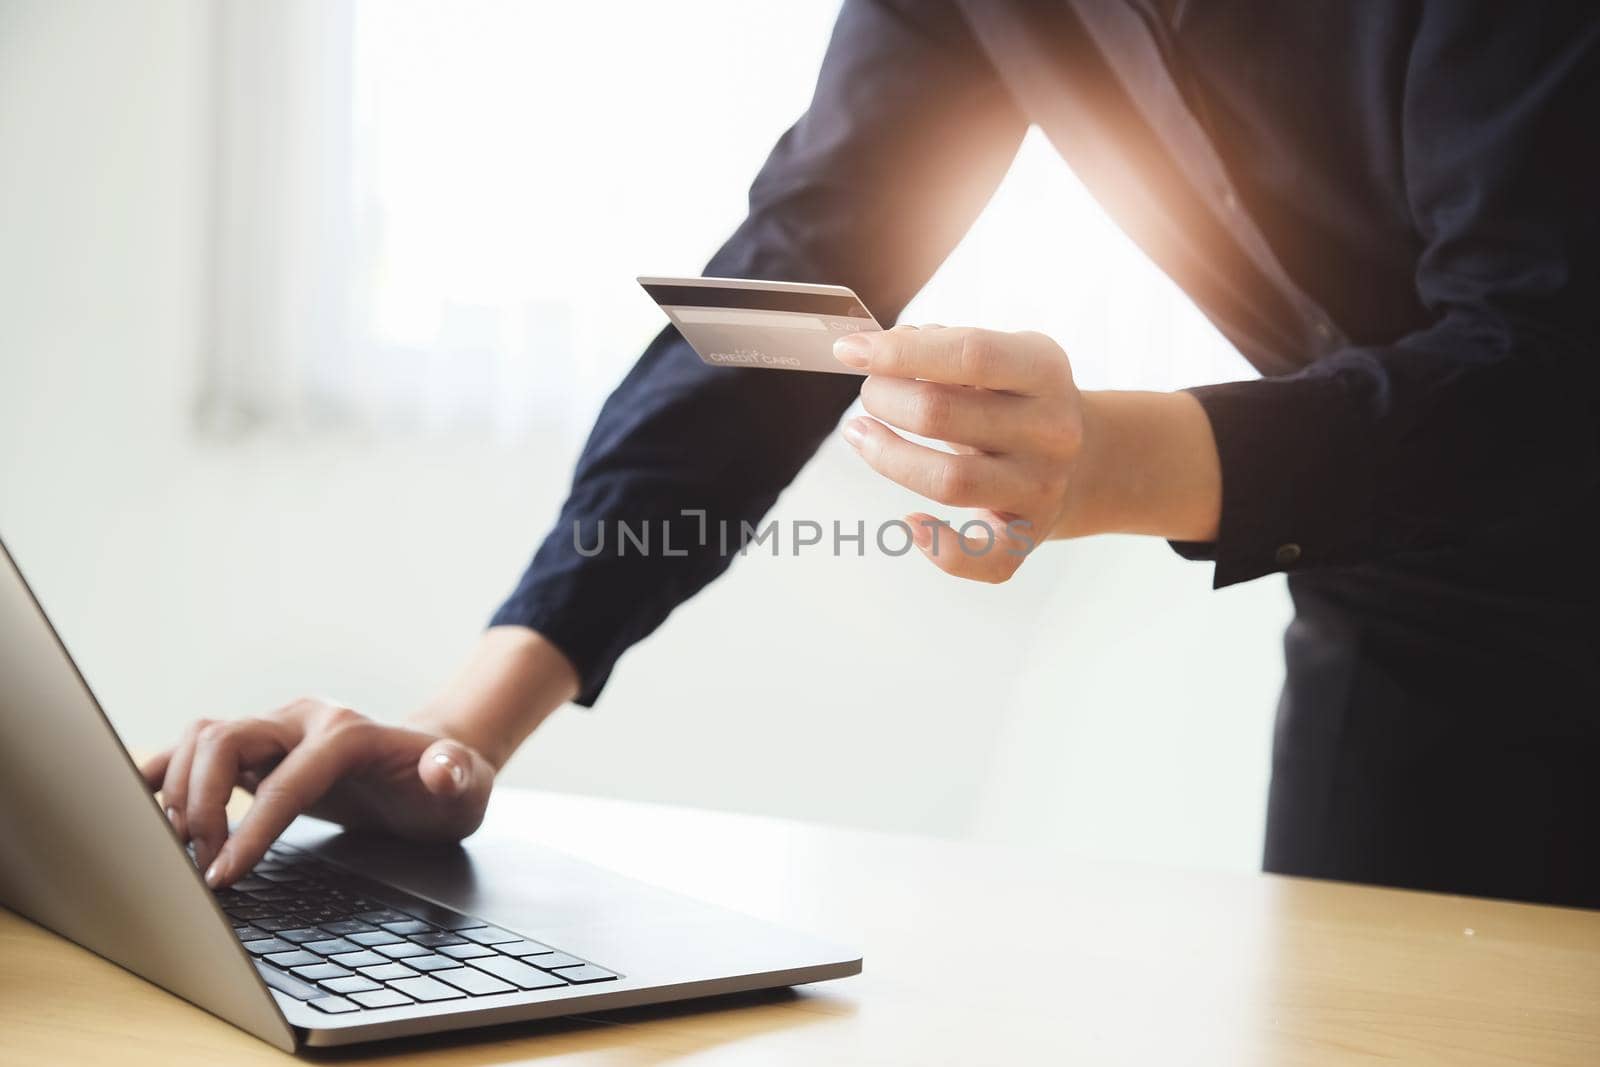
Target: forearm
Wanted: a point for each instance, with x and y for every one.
(1148, 465)
(509, 685)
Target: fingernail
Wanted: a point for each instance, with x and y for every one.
(855, 433)
(851, 350)
(216, 872)
(458, 773)
(172, 816)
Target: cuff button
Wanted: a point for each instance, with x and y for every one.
(1287, 554)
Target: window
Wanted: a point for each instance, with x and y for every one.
(429, 213)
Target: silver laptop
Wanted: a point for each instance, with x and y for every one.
(333, 939)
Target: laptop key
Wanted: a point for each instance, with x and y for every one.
(318, 916)
(518, 973)
(318, 971)
(250, 933)
(383, 915)
(587, 973)
(266, 945)
(280, 895)
(346, 927)
(491, 935)
(286, 983)
(301, 934)
(432, 963)
(551, 960)
(435, 938)
(277, 923)
(388, 972)
(402, 950)
(333, 1005)
(374, 938)
(331, 947)
(380, 998)
(523, 948)
(425, 988)
(475, 981)
(250, 884)
(443, 918)
(354, 983)
(408, 926)
(359, 959)
(296, 958)
(466, 952)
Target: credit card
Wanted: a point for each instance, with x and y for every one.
(737, 322)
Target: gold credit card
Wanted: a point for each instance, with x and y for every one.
(738, 322)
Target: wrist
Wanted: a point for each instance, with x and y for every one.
(1148, 464)
(1085, 511)
(445, 718)
(513, 680)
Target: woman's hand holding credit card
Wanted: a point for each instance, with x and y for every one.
(1005, 402)
(1033, 456)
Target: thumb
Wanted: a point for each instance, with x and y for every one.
(451, 770)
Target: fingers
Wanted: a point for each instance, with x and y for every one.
(154, 770)
(977, 418)
(306, 773)
(956, 480)
(985, 549)
(1028, 363)
(1007, 405)
(222, 752)
(409, 781)
(175, 784)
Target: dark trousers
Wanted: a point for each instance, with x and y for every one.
(1440, 735)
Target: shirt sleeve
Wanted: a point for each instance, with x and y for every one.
(906, 137)
(1488, 414)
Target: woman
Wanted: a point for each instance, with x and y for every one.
(1389, 206)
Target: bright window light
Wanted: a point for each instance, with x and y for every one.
(507, 168)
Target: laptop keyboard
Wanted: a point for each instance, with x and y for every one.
(342, 943)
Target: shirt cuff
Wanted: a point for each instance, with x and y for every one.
(1297, 485)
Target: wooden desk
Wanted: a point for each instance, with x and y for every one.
(974, 955)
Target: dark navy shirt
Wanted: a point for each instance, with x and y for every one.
(1389, 206)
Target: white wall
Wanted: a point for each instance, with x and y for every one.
(1107, 701)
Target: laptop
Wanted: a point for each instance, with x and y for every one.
(334, 938)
